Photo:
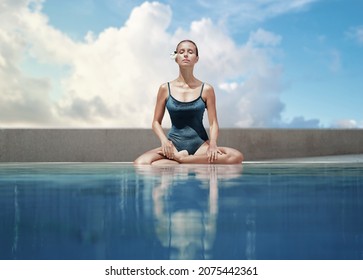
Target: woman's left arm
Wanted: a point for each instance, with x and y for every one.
(210, 99)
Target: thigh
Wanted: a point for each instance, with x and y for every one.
(202, 150)
(228, 150)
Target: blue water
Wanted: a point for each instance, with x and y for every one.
(118, 211)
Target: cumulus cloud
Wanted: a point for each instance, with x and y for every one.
(23, 99)
(113, 77)
(116, 75)
(248, 82)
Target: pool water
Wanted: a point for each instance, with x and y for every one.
(256, 211)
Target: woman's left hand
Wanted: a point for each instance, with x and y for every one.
(213, 152)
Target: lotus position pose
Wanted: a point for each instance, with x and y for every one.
(186, 99)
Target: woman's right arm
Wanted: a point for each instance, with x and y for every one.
(166, 144)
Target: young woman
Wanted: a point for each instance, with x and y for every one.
(186, 99)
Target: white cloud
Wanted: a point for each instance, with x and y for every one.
(356, 33)
(246, 11)
(228, 87)
(113, 77)
(117, 74)
(264, 38)
(23, 99)
(301, 122)
(347, 124)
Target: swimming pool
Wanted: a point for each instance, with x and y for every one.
(258, 211)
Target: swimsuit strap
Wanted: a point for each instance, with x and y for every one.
(169, 88)
(201, 91)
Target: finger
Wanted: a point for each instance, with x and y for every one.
(170, 154)
(167, 152)
(170, 149)
(211, 157)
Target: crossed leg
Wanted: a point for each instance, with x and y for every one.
(227, 156)
(154, 157)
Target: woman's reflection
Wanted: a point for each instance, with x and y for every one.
(185, 207)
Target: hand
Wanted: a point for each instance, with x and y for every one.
(167, 149)
(213, 152)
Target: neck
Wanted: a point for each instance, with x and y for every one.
(186, 76)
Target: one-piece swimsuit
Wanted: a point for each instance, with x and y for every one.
(187, 131)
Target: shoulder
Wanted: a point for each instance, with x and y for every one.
(163, 91)
(208, 87)
(208, 92)
(163, 87)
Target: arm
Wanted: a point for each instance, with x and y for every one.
(166, 144)
(210, 99)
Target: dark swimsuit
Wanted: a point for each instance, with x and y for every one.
(187, 131)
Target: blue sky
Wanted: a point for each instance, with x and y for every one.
(93, 63)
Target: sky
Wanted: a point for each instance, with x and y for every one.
(99, 63)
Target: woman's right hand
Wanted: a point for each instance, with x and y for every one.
(167, 149)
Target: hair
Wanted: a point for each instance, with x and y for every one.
(190, 41)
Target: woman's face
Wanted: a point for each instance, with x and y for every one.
(186, 54)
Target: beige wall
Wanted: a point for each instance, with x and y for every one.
(124, 145)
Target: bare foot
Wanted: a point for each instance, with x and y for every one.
(176, 156)
(180, 155)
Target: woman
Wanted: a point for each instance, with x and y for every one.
(186, 99)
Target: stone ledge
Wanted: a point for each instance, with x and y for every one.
(124, 145)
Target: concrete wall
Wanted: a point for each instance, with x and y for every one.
(124, 145)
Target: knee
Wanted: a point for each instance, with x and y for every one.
(142, 160)
(236, 157)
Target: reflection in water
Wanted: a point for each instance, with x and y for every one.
(16, 220)
(116, 211)
(185, 207)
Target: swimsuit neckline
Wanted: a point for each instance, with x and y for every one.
(186, 102)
